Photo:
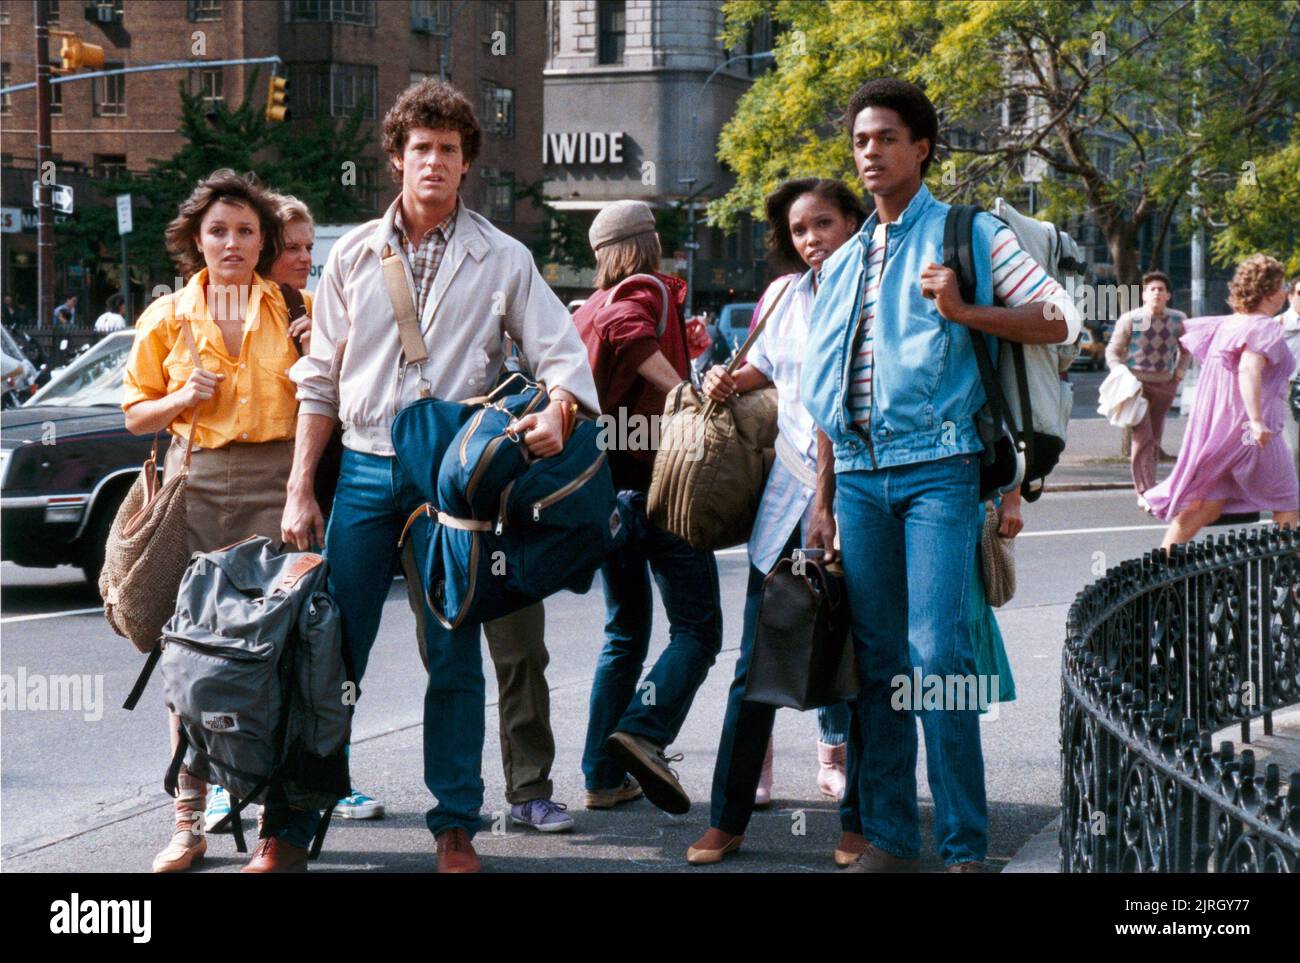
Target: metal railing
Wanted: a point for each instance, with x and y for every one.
(1160, 653)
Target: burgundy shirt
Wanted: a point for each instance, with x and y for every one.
(620, 336)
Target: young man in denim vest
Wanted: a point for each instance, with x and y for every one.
(891, 380)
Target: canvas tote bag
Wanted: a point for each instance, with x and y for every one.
(148, 546)
(713, 458)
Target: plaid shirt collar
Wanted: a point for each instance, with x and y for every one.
(444, 228)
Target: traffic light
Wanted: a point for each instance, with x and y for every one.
(77, 54)
(276, 109)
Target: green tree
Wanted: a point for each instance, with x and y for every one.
(307, 159)
(1262, 210)
(1124, 104)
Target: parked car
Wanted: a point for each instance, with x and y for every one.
(67, 461)
(1092, 352)
(733, 325)
(18, 387)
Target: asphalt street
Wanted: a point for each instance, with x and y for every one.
(81, 790)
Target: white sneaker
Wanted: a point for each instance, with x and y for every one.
(218, 808)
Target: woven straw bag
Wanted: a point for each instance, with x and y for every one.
(998, 560)
(713, 459)
(148, 546)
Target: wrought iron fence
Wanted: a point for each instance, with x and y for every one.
(1160, 653)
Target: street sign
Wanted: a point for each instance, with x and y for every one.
(30, 220)
(60, 197)
(123, 213)
(11, 220)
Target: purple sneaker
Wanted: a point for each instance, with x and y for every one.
(542, 815)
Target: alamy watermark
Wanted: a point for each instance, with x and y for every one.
(24, 692)
(955, 693)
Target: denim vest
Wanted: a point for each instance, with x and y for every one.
(926, 386)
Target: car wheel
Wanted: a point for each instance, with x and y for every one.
(95, 539)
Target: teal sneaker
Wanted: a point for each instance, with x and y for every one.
(218, 808)
(358, 806)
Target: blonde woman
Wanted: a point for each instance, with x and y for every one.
(1232, 459)
(236, 403)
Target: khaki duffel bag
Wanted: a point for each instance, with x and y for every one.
(713, 459)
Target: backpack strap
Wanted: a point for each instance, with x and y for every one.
(293, 300)
(142, 679)
(173, 774)
(664, 299)
(958, 255)
(319, 839)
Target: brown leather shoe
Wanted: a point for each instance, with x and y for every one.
(276, 856)
(456, 853)
(972, 866)
(875, 860)
(849, 848)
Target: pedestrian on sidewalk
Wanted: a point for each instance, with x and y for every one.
(1145, 340)
(111, 320)
(635, 366)
(487, 287)
(891, 380)
(65, 315)
(236, 404)
(1230, 460)
(809, 219)
(1291, 332)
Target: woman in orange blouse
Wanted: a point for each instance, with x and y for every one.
(237, 403)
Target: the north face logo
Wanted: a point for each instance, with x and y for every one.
(221, 721)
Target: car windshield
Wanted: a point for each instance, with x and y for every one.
(93, 380)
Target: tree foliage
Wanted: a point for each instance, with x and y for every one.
(307, 159)
(1124, 104)
(1262, 210)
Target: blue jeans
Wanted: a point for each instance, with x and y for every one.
(688, 584)
(373, 500)
(833, 724)
(909, 533)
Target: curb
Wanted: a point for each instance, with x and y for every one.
(1088, 487)
(1041, 854)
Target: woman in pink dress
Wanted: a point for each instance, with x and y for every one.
(1233, 458)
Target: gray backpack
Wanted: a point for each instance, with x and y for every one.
(253, 663)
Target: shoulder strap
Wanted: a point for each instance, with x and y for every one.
(957, 256)
(664, 300)
(293, 300)
(739, 359)
(399, 293)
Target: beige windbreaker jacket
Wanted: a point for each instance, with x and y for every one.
(486, 287)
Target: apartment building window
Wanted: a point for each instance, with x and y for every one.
(430, 16)
(4, 12)
(1017, 109)
(360, 13)
(53, 16)
(498, 17)
(499, 195)
(109, 166)
(56, 100)
(498, 110)
(612, 25)
(351, 84)
(210, 84)
(110, 93)
(204, 10)
(6, 100)
(105, 11)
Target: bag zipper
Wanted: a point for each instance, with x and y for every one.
(564, 491)
(490, 451)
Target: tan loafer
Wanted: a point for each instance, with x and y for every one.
(698, 856)
(188, 844)
(849, 848)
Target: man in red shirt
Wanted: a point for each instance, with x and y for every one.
(635, 335)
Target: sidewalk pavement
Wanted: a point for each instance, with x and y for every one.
(1093, 459)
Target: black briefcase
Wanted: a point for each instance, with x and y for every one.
(803, 654)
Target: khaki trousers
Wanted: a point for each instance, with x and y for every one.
(233, 492)
(517, 644)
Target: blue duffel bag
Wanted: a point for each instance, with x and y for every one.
(504, 529)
